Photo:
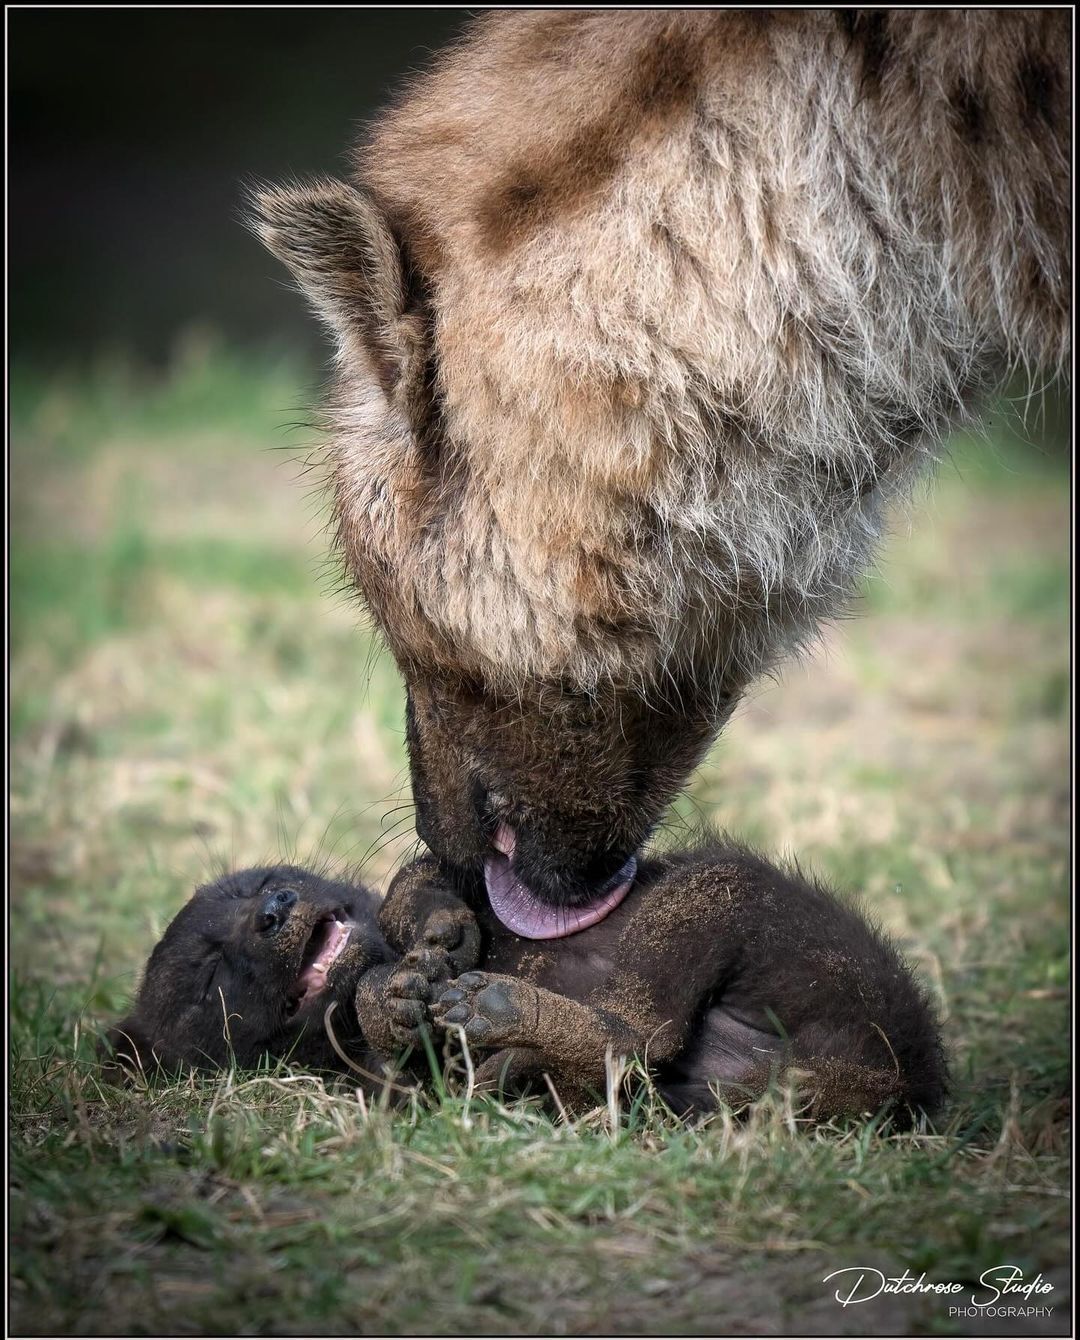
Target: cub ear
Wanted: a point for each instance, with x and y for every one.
(339, 247)
(125, 1052)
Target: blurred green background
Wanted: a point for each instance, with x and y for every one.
(191, 689)
(131, 133)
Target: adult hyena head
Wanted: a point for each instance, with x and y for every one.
(641, 319)
(535, 610)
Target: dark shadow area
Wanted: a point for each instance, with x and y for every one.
(132, 132)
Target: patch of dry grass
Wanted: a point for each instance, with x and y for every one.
(188, 694)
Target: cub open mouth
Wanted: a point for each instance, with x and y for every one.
(521, 911)
(325, 946)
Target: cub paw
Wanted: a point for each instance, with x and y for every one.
(412, 988)
(486, 1008)
(457, 933)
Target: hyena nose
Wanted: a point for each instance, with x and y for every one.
(276, 909)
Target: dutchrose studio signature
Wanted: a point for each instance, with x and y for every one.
(1002, 1291)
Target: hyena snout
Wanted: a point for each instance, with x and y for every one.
(553, 778)
(551, 796)
(551, 860)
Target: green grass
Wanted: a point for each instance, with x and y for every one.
(189, 692)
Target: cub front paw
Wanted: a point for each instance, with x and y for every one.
(457, 933)
(487, 1008)
(422, 973)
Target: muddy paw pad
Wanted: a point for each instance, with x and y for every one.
(407, 1015)
(443, 929)
(485, 1009)
(430, 961)
(407, 1022)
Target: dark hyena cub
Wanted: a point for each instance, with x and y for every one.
(247, 968)
(719, 970)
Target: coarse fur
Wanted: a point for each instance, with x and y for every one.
(643, 319)
(721, 972)
(218, 988)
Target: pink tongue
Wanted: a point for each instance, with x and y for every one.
(520, 911)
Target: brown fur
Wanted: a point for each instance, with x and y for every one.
(720, 972)
(644, 318)
(217, 988)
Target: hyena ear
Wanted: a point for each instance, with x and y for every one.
(340, 249)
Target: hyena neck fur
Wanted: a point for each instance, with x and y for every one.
(684, 299)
